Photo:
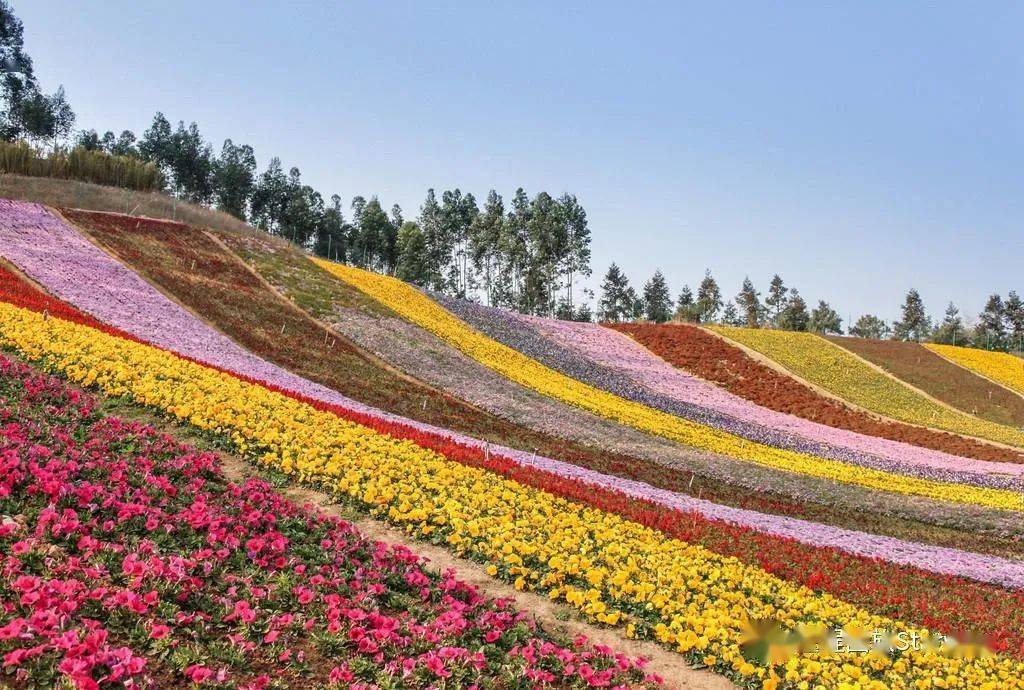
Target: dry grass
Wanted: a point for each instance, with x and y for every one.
(94, 197)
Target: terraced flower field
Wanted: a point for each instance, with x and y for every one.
(518, 367)
(591, 559)
(1003, 368)
(647, 558)
(937, 376)
(713, 359)
(838, 371)
(283, 583)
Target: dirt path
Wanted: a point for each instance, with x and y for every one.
(552, 617)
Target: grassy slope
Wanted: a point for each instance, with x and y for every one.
(953, 385)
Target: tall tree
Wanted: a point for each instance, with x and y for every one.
(234, 178)
(749, 303)
(731, 315)
(515, 249)
(458, 211)
(951, 331)
(484, 243)
(1013, 310)
(915, 324)
(617, 297)
(413, 263)
(125, 145)
(269, 199)
(991, 330)
(686, 307)
(576, 258)
(709, 298)
(776, 299)
(870, 326)
(794, 316)
(18, 78)
(157, 144)
(824, 319)
(657, 299)
(332, 233)
(191, 164)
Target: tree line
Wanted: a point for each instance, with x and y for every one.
(1000, 325)
(527, 257)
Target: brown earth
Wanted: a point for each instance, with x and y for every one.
(940, 378)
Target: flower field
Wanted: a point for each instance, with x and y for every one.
(605, 359)
(134, 563)
(923, 368)
(930, 522)
(838, 371)
(518, 367)
(612, 569)
(1000, 367)
(627, 542)
(713, 359)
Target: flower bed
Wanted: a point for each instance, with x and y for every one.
(741, 533)
(940, 378)
(939, 560)
(837, 370)
(613, 570)
(1004, 369)
(713, 359)
(129, 560)
(520, 368)
(612, 362)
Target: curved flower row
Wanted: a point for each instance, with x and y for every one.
(204, 581)
(839, 371)
(613, 570)
(38, 240)
(711, 358)
(613, 362)
(418, 308)
(1000, 367)
(727, 530)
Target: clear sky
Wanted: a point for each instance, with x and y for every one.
(857, 150)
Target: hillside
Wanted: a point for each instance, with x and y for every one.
(653, 496)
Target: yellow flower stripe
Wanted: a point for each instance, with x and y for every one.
(421, 310)
(1000, 367)
(612, 570)
(840, 372)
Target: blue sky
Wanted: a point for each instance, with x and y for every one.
(858, 150)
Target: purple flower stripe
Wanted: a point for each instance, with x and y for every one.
(72, 268)
(615, 363)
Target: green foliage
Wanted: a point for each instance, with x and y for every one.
(749, 303)
(794, 316)
(824, 319)
(617, 297)
(915, 324)
(81, 164)
(709, 298)
(657, 300)
(870, 326)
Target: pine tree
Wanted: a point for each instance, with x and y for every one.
(776, 300)
(1013, 309)
(824, 319)
(794, 316)
(657, 300)
(870, 326)
(616, 302)
(686, 308)
(991, 330)
(749, 303)
(731, 316)
(951, 330)
(709, 298)
(915, 324)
